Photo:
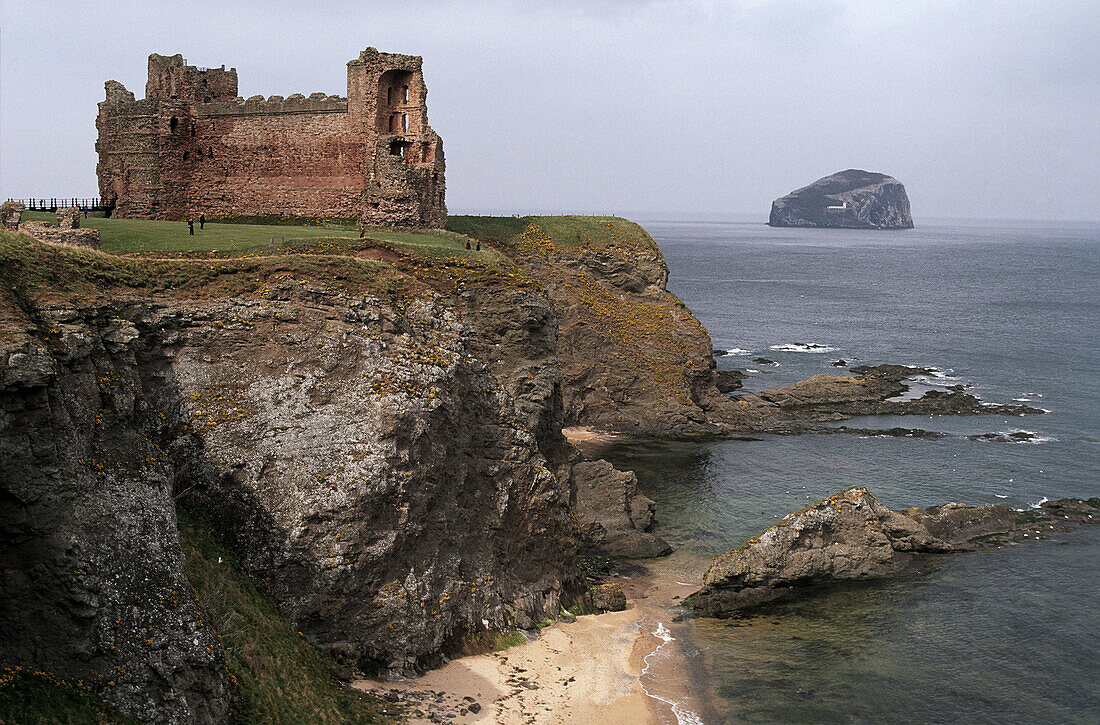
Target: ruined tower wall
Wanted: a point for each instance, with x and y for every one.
(189, 148)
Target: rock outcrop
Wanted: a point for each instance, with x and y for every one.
(853, 537)
(851, 199)
(614, 517)
(634, 358)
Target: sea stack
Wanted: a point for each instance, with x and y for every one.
(852, 199)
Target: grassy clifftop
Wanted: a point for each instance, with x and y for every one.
(543, 234)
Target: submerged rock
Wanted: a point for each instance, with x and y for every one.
(852, 199)
(852, 536)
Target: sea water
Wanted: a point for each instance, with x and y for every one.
(1008, 310)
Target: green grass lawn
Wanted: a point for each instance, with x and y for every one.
(122, 236)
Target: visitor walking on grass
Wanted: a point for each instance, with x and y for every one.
(191, 227)
(202, 221)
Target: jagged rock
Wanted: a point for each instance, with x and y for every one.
(606, 597)
(851, 199)
(91, 572)
(386, 486)
(615, 518)
(853, 537)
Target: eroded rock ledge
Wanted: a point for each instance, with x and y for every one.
(852, 536)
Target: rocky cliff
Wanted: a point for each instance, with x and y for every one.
(634, 358)
(376, 435)
(851, 199)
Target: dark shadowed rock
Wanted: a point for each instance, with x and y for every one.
(853, 537)
(606, 597)
(728, 380)
(851, 199)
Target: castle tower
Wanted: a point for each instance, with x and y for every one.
(404, 178)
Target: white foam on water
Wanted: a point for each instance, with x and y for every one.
(811, 347)
(684, 716)
(738, 351)
(1042, 501)
(1005, 436)
(1022, 400)
(750, 370)
(1000, 495)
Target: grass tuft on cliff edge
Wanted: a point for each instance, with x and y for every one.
(280, 676)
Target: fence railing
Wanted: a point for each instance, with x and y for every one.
(94, 203)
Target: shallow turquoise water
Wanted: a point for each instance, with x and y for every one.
(1012, 312)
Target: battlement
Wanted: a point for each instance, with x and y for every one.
(170, 77)
(193, 145)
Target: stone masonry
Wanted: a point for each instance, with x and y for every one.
(10, 214)
(192, 146)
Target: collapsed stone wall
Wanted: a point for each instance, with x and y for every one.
(192, 146)
(77, 237)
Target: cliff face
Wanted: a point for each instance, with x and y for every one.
(376, 463)
(851, 199)
(93, 585)
(634, 359)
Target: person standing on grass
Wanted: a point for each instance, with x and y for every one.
(191, 227)
(202, 221)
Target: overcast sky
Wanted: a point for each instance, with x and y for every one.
(645, 109)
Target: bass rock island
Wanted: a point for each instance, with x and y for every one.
(851, 199)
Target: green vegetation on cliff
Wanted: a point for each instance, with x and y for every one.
(39, 698)
(281, 677)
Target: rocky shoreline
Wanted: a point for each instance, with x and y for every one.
(852, 537)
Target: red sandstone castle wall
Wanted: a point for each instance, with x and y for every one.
(303, 164)
(195, 149)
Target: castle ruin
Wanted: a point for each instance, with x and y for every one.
(194, 146)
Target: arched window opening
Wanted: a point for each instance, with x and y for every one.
(404, 122)
(393, 91)
(399, 148)
(192, 128)
(185, 155)
(173, 124)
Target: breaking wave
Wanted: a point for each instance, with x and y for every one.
(802, 347)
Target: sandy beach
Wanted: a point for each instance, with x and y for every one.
(618, 667)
